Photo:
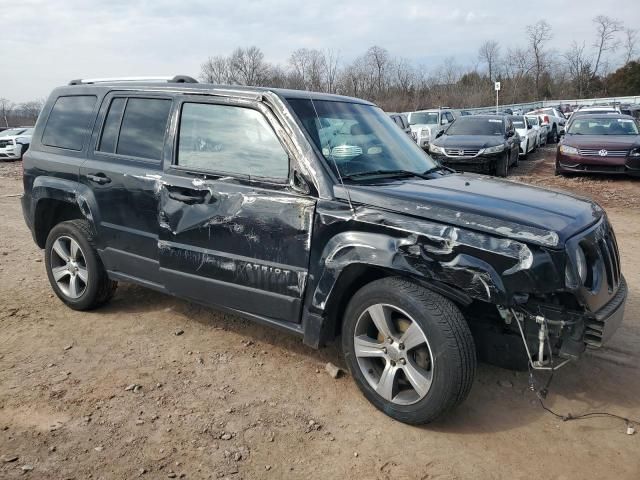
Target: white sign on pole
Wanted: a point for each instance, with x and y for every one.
(497, 86)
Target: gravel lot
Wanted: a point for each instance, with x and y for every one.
(230, 399)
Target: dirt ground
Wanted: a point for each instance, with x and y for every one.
(228, 398)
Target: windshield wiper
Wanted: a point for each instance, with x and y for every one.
(386, 173)
(439, 168)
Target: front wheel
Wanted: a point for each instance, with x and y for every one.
(502, 166)
(74, 268)
(409, 350)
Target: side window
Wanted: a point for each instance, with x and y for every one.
(143, 127)
(229, 139)
(69, 121)
(109, 138)
(449, 116)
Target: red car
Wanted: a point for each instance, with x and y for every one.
(600, 143)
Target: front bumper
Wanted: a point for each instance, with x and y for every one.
(478, 164)
(604, 323)
(11, 153)
(592, 164)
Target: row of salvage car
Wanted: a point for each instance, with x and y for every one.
(594, 139)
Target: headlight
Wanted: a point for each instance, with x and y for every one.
(635, 152)
(496, 149)
(425, 132)
(580, 268)
(436, 149)
(567, 150)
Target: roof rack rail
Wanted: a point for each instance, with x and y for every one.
(174, 79)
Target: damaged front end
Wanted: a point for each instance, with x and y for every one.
(551, 330)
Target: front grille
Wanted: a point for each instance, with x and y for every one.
(602, 153)
(461, 152)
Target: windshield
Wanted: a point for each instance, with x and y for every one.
(603, 126)
(518, 122)
(533, 120)
(12, 132)
(359, 138)
(423, 118)
(475, 125)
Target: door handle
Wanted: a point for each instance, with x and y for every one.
(99, 178)
(190, 198)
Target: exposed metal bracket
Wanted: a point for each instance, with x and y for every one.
(543, 338)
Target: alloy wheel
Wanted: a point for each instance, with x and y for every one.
(69, 267)
(393, 354)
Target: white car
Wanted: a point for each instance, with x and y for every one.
(543, 130)
(14, 142)
(556, 120)
(528, 135)
(426, 124)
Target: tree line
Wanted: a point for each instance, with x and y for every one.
(604, 65)
(19, 114)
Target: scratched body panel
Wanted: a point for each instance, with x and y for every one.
(240, 238)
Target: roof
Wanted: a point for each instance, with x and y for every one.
(201, 88)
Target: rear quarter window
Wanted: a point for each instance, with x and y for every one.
(69, 122)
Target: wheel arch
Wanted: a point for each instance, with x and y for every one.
(57, 200)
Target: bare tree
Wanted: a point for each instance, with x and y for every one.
(579, 67)
(489, 53)
(6, 107)
(247, 67)
(517, 68)
(630, 44)
(539, 34)
(31, 110)
(607, 28)
(331, 62)
(378, 59)
(215, 70)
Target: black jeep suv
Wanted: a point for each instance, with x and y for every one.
(315, 214)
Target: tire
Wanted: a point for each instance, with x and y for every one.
(23, 150)
(554, 135)
(83, 283)
(516, 162)
(446, 355)
(502, 166)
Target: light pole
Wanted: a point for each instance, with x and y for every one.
(497, 87)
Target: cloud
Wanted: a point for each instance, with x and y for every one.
(57, 40)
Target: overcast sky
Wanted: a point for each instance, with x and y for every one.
(46, 43)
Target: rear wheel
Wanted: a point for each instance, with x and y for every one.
(409, 350)
(74, 268)
(554, 135)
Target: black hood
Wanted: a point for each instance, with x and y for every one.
(469, 141)
(502, 208)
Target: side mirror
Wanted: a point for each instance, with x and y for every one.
(529, 127)
(561, 133)
(510, 133)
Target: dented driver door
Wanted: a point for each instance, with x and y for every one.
(233, 233)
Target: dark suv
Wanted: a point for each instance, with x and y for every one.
(315, 214)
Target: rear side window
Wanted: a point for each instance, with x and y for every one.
(69, 121)
(142, 128)
(229, 139)
(109, 138)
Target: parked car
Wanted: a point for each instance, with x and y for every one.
(597, 109)
(315, 214)
(14, 142)
(542, 130)
(528, 135)
(478, 143)
(426, 124)
(402, 121)
(632, 110)
(557, 122)
(600, 143)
